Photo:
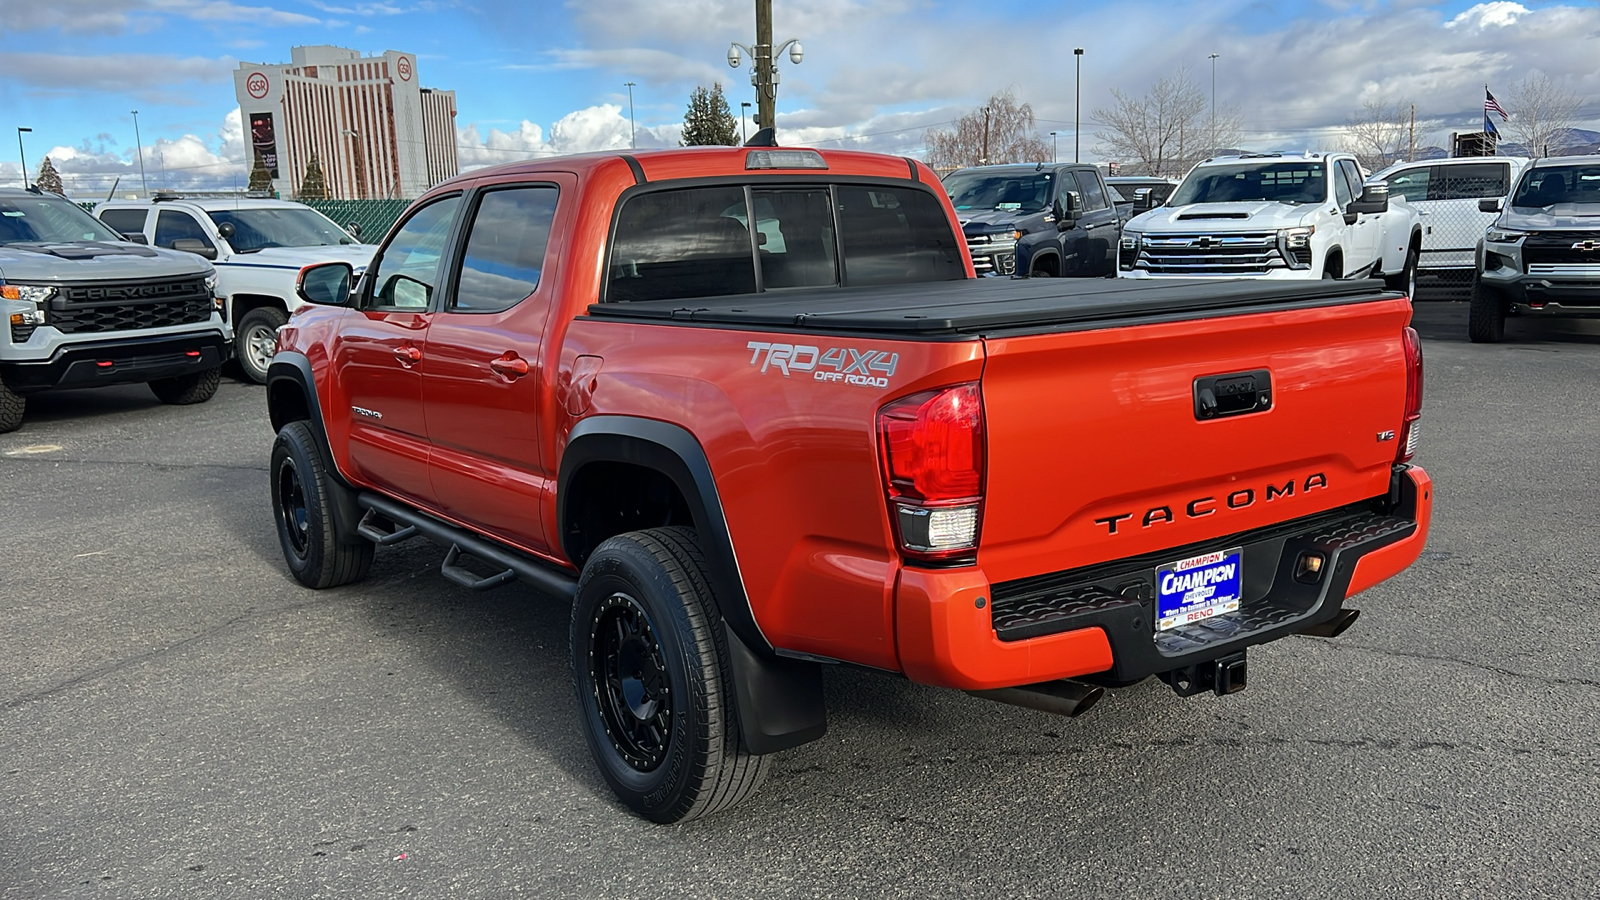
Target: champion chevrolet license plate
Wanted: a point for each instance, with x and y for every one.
(1194, 589)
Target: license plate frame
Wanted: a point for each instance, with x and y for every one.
(1198, 588)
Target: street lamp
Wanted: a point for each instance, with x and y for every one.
(361, 162)
(743, 105)
(23, 155)
(145, 185)
(1214, 56)
(632, 135)
(1077, 106)
(1054, 156)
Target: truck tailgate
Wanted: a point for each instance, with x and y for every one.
(1098, 450)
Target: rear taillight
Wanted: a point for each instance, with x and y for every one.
(1408, 429)
(932, 449)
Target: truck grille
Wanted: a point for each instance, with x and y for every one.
(129, 305)
(1570, 270)
(1250, 253)
(995, 253)
(1564, 249)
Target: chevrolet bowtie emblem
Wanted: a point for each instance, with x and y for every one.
(1589, 246)
(1201, 242)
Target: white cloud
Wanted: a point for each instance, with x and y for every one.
(72, 16)
(603, 127)
(147, 76)
(1499, 14)
(220, 11)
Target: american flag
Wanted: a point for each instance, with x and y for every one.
(1490, 104)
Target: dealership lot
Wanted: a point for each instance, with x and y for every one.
(179, 718)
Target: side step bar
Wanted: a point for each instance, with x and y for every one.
(1064, 698)
(511, 564)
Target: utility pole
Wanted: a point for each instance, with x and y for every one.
(1214, 148)
(145, 185)
(984, 160)
(763, 68)
(1411, 156)
(744, 105)
(632, 143)
(23, 155)
(1077, 106)
(1054, 156)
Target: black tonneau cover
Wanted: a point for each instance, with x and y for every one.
(985, 305)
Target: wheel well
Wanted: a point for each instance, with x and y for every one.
(605, 499)
(244, 303)
(1047, 262)
(1416, 240)
(1335, 255)
(286, 403)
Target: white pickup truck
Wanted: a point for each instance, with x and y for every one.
(1271, 215)
(258, 247)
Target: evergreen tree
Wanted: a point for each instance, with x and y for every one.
(260, 178)
(708, 121)
(314, 186)
(49, 179)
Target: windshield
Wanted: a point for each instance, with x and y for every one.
(1026, 192)
(49, 220)
(1545, 186)
(257, 229)
(1287, 182)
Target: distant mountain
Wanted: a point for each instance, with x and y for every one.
(1572, 142)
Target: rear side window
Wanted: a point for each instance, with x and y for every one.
(1412, 184)
(1089, 190)
(125, 221)
(505, 249)
(1471, 182)
(697, 242)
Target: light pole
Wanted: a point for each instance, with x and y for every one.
(1054, 156)
(632, 134)
(1214, 56)
(763, 65)
(361, 163)
(1077, 105)
(23, 155)
(143, 184)
(743, 106)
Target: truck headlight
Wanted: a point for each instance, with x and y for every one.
(1298, 238)
(1504, 236)
(33, 293)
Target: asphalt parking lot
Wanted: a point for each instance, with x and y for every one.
(178, 718)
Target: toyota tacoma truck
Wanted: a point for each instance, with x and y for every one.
(1037, 220)
(1541, 256)
(258, 246)
(1268, 215)
(751, 414)
(84, 308)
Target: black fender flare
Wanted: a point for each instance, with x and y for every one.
(290, 373)
(779, 698)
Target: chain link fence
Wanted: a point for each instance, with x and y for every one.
(374, 216)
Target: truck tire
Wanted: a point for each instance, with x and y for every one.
(1405, 280)
(257, 338)
(12, 406)
(302, 506)
(1333, 267)
(1486, 320)
(654, 691)
(186, 389)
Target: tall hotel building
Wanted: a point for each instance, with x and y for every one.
(374, 129)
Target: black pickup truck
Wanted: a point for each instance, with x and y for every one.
(1037, 219)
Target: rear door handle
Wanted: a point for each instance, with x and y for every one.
(510, 365)
(408, 356)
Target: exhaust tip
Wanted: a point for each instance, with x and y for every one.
(1062, 698)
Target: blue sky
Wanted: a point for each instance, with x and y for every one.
(535, 77)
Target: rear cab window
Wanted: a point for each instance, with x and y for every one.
(124, 220)
(697, 242)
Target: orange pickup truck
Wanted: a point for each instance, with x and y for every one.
(749, 412)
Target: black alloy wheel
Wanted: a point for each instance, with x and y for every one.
(629, 678)
(293, 518)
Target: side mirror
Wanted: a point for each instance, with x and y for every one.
(1489, 205)
(327, 284)
(195, 246)
(355, 229)
(226, 229)
(136, 237)
(1144, 199)
(1068, 210)
(1374, 199)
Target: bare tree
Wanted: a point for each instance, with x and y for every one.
(1542, 113)
(1380, 134)
(1001, 131)
(1167, 130)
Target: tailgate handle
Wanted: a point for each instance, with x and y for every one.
(1234, 394)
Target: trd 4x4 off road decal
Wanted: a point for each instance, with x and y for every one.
(866, 368)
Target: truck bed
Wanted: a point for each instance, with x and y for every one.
(973, 307)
